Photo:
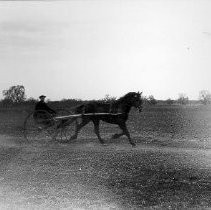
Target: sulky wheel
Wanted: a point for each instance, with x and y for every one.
(39, 126)
(66, 125)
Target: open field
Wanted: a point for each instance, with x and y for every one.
(170, 168)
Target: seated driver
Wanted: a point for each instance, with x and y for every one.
(41, 105)
(43, 111)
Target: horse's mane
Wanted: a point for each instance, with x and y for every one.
(122, 100)
(125, 97)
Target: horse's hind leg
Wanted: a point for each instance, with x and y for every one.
(96, 130)
(79, 127)
(126, 132)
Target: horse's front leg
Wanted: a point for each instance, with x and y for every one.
(126, 132)
(79, 127)
(96, 130)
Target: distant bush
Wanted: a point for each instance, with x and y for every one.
(169, 101)
(29, 104)
(183, 99)
(65, 103)
(152, 100)
(205, 97)
(31, 100)
(108, 98)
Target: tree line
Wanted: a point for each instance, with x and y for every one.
(16, 94)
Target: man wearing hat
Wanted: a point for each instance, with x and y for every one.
(42, 106)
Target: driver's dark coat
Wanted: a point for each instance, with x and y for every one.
(44, 107)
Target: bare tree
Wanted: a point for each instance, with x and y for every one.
(205, 96)
(15, 94)
(183, 99)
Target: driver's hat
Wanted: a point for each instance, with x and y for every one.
(42, 96)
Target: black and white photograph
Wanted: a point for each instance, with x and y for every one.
(105, 104)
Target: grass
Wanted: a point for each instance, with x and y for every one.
(169, 168)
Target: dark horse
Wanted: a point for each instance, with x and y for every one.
(123, 105)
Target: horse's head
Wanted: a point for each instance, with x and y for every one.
(136, 100)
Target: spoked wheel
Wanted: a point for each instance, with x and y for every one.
(66, 125)
(39, 126)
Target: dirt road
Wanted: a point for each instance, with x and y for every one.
(86, 175)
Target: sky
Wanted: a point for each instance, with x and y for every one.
(86, 49)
